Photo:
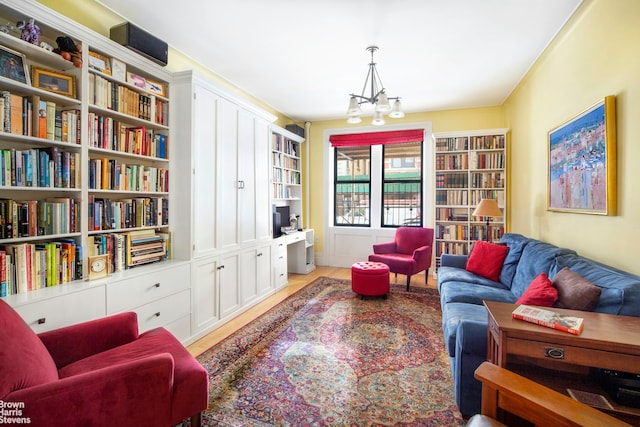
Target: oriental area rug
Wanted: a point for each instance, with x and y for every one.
(326, 357)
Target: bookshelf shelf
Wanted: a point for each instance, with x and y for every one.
(469, 166)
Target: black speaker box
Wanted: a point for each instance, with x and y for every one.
(141, 42)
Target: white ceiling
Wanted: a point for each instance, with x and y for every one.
(304, 57)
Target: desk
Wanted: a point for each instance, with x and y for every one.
(300, 254)
(561, 360)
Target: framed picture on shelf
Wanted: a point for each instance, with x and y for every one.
(155, 87)
(53, 81)
(136, 80)
(118, 70)
(13, 65)
(99, 62)
(582, 162)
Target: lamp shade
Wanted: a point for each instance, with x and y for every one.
(487, 207)
(354, 107)
(378, 119)
(396, 111)
(383, 103)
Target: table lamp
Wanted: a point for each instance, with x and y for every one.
(487, 208)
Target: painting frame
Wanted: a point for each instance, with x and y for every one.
(581, 162)
(8, 55)
(54, 81)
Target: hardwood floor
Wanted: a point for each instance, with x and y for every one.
(296, 282)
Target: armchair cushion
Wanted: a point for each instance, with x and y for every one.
(72, 343)
(22, 350)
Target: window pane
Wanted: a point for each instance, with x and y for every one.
(352, 186)
(352, 204)
(402, 185)
(353, 163)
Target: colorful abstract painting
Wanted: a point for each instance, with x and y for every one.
(582, 162)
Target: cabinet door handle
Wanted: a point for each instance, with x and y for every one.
(157, 314)
(221, 267)
(260, 254)
(240, 185)
(41, 321)
(156, 285)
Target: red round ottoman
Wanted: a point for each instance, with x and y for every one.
(370, 278)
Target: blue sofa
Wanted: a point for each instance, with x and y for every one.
(465, 317)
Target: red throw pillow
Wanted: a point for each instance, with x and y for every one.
(540, 292)
(486, 259)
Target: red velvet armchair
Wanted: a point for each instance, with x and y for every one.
(98, 373)
(409, 253)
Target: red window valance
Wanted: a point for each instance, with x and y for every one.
(376, 138)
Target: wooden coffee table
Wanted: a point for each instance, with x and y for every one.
(561, 360)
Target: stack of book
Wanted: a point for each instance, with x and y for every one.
(143, 247)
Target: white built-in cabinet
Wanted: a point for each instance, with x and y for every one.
(225, 146)
(159, 293)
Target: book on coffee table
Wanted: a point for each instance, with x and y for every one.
(549, 318)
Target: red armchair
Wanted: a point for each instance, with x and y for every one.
(409, 253)
(98, 373)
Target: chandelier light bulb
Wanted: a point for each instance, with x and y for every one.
(378, 119)
(396, 111)
(354, 107)
(383, 103)
(354, 119)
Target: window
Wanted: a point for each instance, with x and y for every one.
(402, 184)
(352, 185)
(378, 179)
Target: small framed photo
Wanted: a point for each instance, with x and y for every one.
(136, 80)
(13, 65)
(118, 70)
(99, 62)
(53, 81)
(155, 87)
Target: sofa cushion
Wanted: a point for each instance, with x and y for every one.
(453, 314)
(473, 293)
(575, 292)
(620, 290)
(516, 243)
(486, 259)
(24, 360)
(537, 257)
(454, 274)
(540, 292)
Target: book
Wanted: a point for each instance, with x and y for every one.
(549, 318)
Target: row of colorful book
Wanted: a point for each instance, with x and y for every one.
(32, 116)
(110, 134)
(112, 174)
(108, 214)
(30, 266)
(112, 95)
(39, 167)
(29, 218)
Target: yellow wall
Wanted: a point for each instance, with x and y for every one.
(597, 54)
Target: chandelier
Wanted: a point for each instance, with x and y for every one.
(377, 96)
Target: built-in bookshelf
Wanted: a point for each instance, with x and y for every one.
(469, 166)
(285, 165)
(84, 155)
